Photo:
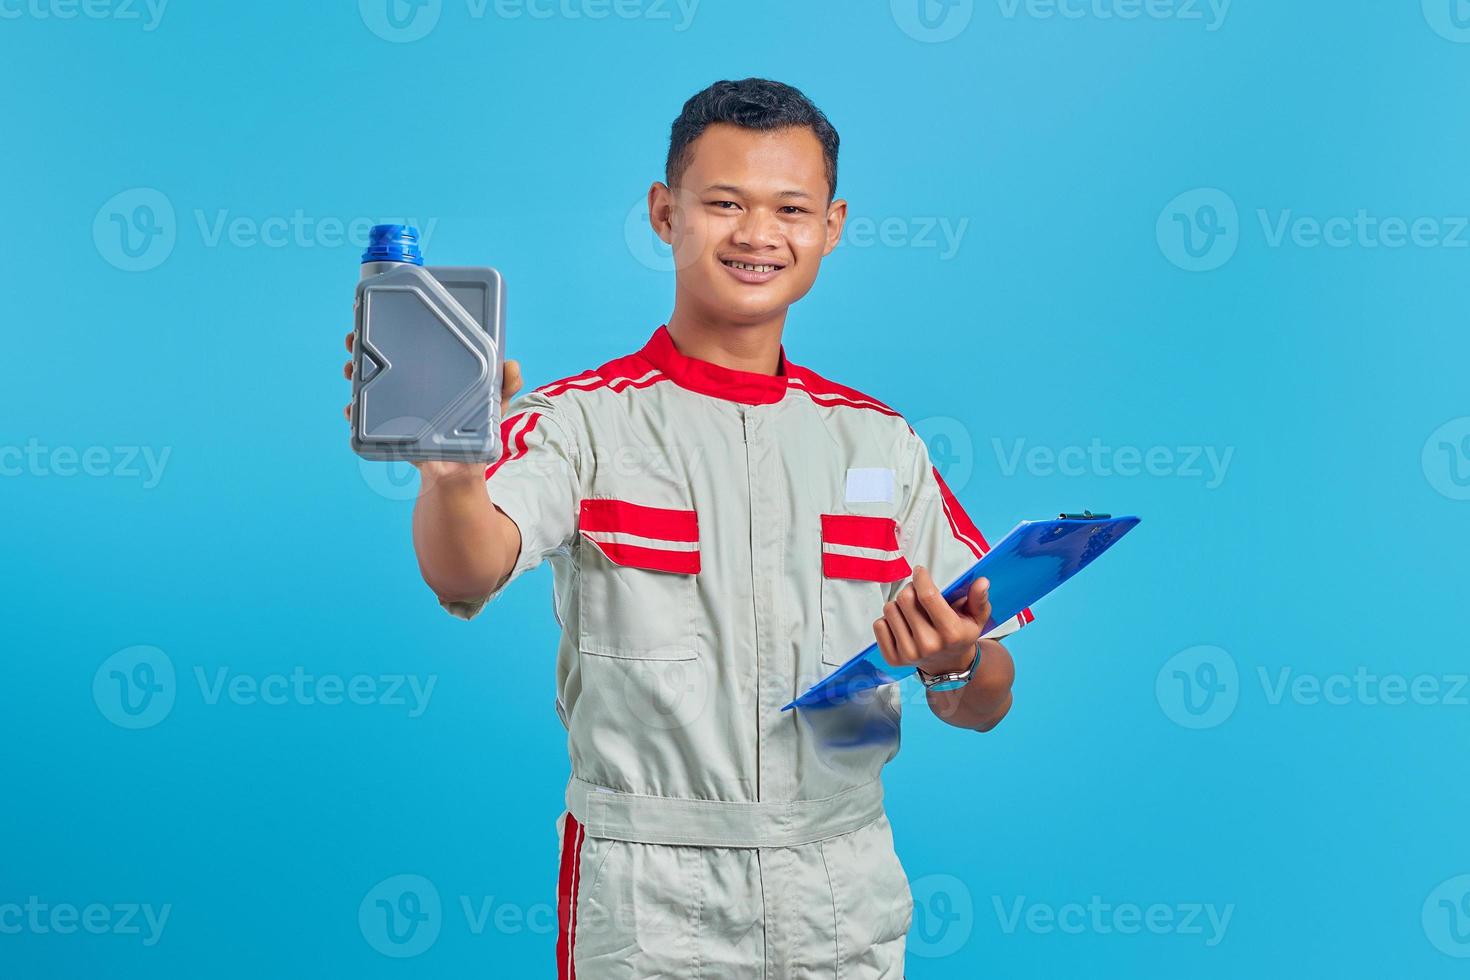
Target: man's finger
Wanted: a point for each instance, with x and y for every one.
(945, 619)
(884, 636)
(347, 370)
(349, 341)
(903, 640)
(977, 603)
(926, 637)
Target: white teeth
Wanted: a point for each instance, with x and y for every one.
(746, 266)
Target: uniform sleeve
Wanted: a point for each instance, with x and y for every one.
(935, 531)
(535, 484)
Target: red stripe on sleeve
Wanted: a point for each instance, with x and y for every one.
(959, 522)
(508, 452)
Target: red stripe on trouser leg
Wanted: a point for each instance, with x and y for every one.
(566, 898)
(664, 523)
(860, 532)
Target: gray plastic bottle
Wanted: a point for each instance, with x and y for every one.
(427, 361)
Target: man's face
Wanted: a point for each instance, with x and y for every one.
(749, 222)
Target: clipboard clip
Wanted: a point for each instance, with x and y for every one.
(1086, 515)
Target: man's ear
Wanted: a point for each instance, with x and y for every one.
(836, 218)
(661, 211)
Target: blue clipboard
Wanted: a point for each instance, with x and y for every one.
(1027, 564)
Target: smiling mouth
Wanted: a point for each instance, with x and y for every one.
(752, 273)
(751, 267)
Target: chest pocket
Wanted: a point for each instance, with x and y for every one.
(636, 593)
(860, 558)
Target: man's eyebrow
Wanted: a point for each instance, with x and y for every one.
(732, 189)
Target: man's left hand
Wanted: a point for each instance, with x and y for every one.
(921, 629)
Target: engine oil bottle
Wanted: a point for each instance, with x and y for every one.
(427, 355)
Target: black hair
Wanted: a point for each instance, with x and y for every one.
(751, 103)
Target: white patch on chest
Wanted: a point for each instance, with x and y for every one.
(869, 485)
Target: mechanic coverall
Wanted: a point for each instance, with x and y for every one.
(720, 540)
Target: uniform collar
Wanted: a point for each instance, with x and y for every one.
(717, 381)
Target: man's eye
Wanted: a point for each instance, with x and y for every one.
(793, 209)
(724, 205)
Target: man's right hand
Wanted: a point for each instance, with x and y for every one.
(466, 546)
(432, 470)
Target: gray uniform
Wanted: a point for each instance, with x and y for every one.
(720, 540)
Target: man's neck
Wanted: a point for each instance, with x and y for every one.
(740, 346)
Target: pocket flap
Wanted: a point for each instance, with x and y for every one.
(854, 546)
(660, 539)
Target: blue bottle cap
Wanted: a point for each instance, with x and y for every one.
(393, 243)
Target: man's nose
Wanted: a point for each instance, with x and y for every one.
(758, 228)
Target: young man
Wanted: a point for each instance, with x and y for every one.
(724, 527)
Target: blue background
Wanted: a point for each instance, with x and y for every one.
(1066, 315)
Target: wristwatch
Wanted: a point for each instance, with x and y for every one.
(951, 681)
